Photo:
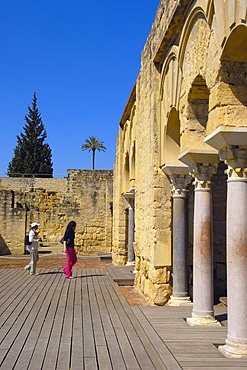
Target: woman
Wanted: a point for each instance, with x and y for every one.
(33, 247)
(69, 248)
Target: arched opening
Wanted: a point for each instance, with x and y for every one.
(233, 71)
(126, 183)
(132, 168)
(198, 103)
(172, 138)
(235, 48)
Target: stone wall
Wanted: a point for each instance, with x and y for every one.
(191, 81)
(84, 196)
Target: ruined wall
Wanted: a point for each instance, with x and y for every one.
(191, 81)
(83, 196)
(152, 189)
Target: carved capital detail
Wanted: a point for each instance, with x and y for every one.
(202, 174)
(179, 184)
(235, 158)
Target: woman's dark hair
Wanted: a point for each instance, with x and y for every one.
(69, 232)
(71, 225)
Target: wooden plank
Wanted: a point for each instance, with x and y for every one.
(216, 363)
(46, 319)
(181, 347)
(88, 337)
(103, 357)
(205, 357)
(124, 281)
(30, 348)
(169, 335)
(55, 336)
(166, 356)
(96, 319)
(6, 276)
(192, 347)
(214, 368)
(21, 305)
(121, 273)
(22, 327)
(102, 350)
(11, 292)
(200, 356)
(115, 353)
(145, 353)
(40, 349)
(63, 360)
(91, 363)
(119, 329)
(18, 282)
(105, 256)
(77, 330)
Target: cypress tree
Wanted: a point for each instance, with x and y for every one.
(32, 156)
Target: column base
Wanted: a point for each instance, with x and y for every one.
(198, 320)
(233, 350)
(130, 263)
(179, 301)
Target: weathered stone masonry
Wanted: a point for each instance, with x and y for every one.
(182, 152)
(84, 196)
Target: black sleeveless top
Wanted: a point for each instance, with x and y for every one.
(69, 237)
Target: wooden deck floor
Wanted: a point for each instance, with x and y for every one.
(49, 322)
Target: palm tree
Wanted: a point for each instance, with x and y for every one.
(93, 144)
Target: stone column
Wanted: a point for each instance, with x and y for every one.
(232, 145)
(202, 166)
(130, 197)
(179, 177)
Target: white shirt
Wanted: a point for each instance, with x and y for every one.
(34, 239)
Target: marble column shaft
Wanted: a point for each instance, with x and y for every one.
(231, 144)
(131, 226)
(203, 313)
(203, 253)
(130, 198)
(236, 342)
(180, 283)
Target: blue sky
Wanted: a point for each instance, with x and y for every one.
(82, 59)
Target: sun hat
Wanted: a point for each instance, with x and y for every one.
(34, 224)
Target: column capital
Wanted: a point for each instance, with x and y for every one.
(202, 174)
(129, 197)
(236, 160)
(179, 177)
(202, 165)
(231, 142)
(179, 184)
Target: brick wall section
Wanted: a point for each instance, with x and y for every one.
(84, 196)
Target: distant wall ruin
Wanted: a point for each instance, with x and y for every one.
(84, 196)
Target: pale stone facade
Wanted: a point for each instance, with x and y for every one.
(84, 196)
(181, 150)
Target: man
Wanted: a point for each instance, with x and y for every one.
(33, 249)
